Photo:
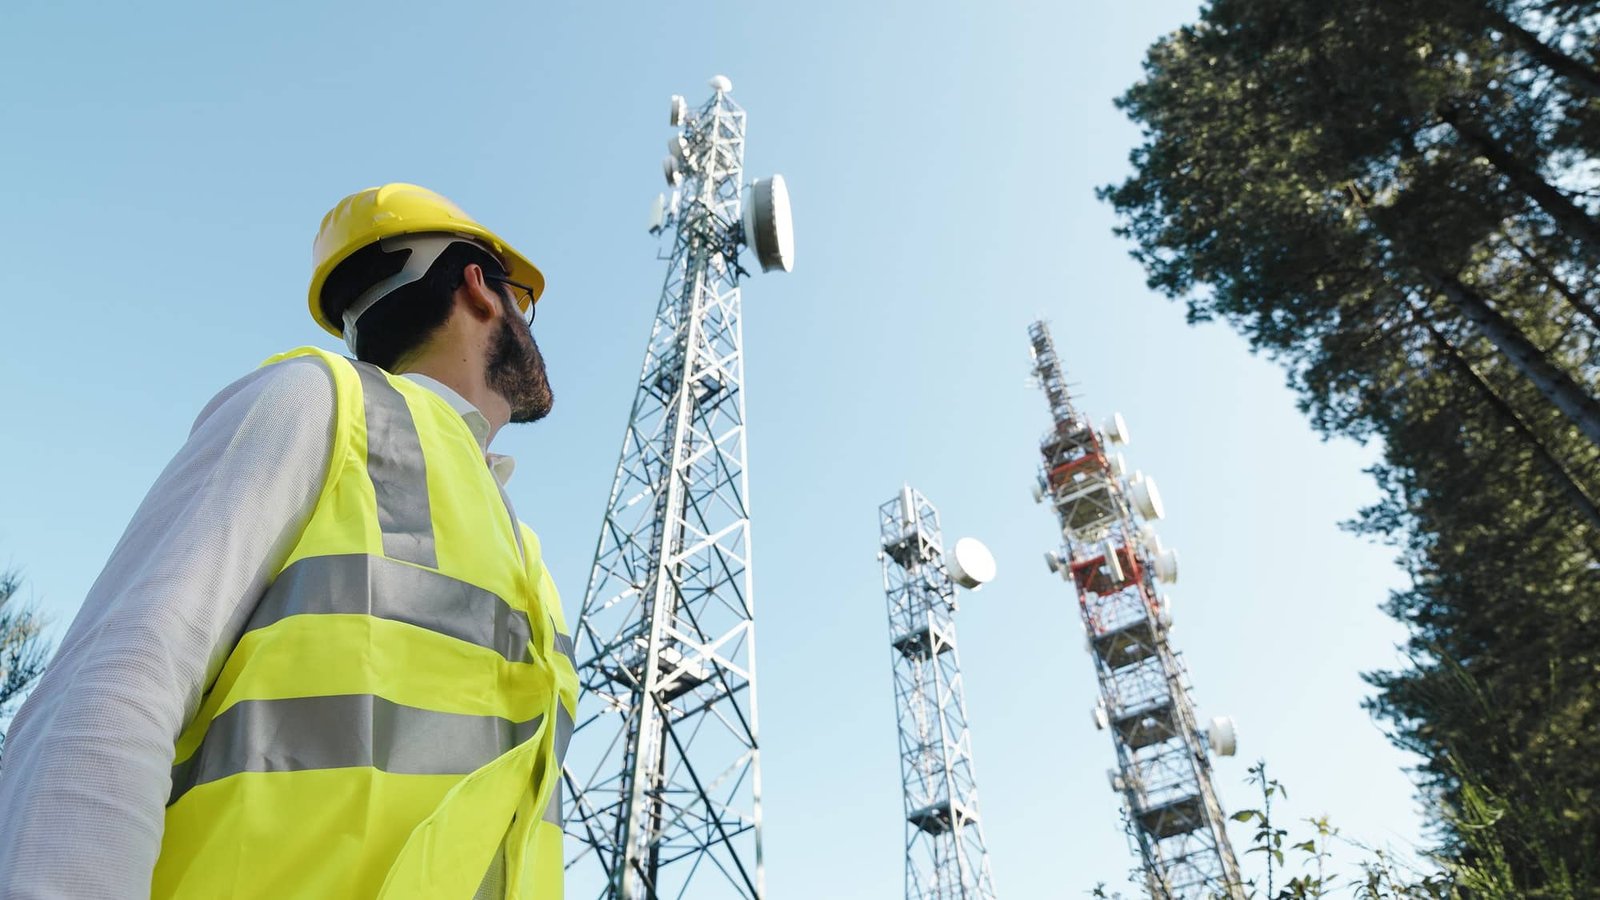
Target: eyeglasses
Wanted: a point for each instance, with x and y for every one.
(517, 285)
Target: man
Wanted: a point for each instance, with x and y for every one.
(324, 660)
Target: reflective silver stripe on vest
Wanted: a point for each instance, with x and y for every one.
(359, 584)
(552, 812)
(563, 732)
(399, 474)
(343, 731)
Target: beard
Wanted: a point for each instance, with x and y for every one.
(516, 371)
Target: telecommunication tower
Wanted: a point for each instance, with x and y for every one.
(1114, 559)
(666, 793)
(945, 854)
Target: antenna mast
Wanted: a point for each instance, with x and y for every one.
(667, 803)
(1114, 560)
(945, 854)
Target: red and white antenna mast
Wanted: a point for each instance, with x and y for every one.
(1114, 560)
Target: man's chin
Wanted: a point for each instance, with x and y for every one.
(535, 399)
(531, 413)
(516, 372)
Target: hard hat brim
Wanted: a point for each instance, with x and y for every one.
(519, 268)
(439, 216)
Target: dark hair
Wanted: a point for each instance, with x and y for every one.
(404, 320)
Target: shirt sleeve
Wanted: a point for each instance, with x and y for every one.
(88, 759)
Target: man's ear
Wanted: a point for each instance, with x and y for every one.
(481, 300)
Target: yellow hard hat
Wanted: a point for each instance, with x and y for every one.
(396, 209)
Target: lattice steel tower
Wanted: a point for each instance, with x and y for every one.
(665, 772)
(945, 854)
(1115, 560)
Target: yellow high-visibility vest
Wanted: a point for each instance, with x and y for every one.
(392, 720)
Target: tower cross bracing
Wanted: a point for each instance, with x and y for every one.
(945, 854)
(665, 772)
(1113, 559)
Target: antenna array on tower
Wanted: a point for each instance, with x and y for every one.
(666, 780)
(1114, 561)
(945, 854)
(666, 784)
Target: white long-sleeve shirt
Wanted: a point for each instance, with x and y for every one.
(88, 759)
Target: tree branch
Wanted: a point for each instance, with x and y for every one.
(1558, 473)
(1581, 76)
(1575, 300)
(1571, 217)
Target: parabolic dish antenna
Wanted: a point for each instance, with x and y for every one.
(1146, 499)
(1152, 541)
(720, 84)
(1166, 566)
(1223, 736)
(768, 227)
(1116, 429)
(971, 564)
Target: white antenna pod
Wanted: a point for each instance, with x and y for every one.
(1150, 540)
(658, 213)
(1167, 567)
(971, 564)
(768, 224)
(1113, 564)
(1116, 429)
(1223, 736)
(680, 111)
(1146, 499)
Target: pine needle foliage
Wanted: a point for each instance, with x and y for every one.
(23, 652)
(1396, 200)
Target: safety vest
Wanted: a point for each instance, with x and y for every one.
(392, 719)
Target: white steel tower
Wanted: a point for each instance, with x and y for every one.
(1114, 560)
(945, 854)
(665, 774)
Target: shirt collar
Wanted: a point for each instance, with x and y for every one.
(502, 466)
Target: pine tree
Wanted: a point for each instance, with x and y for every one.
(23, 652)
(1394, 200)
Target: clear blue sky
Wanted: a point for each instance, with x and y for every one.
(165, 167)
